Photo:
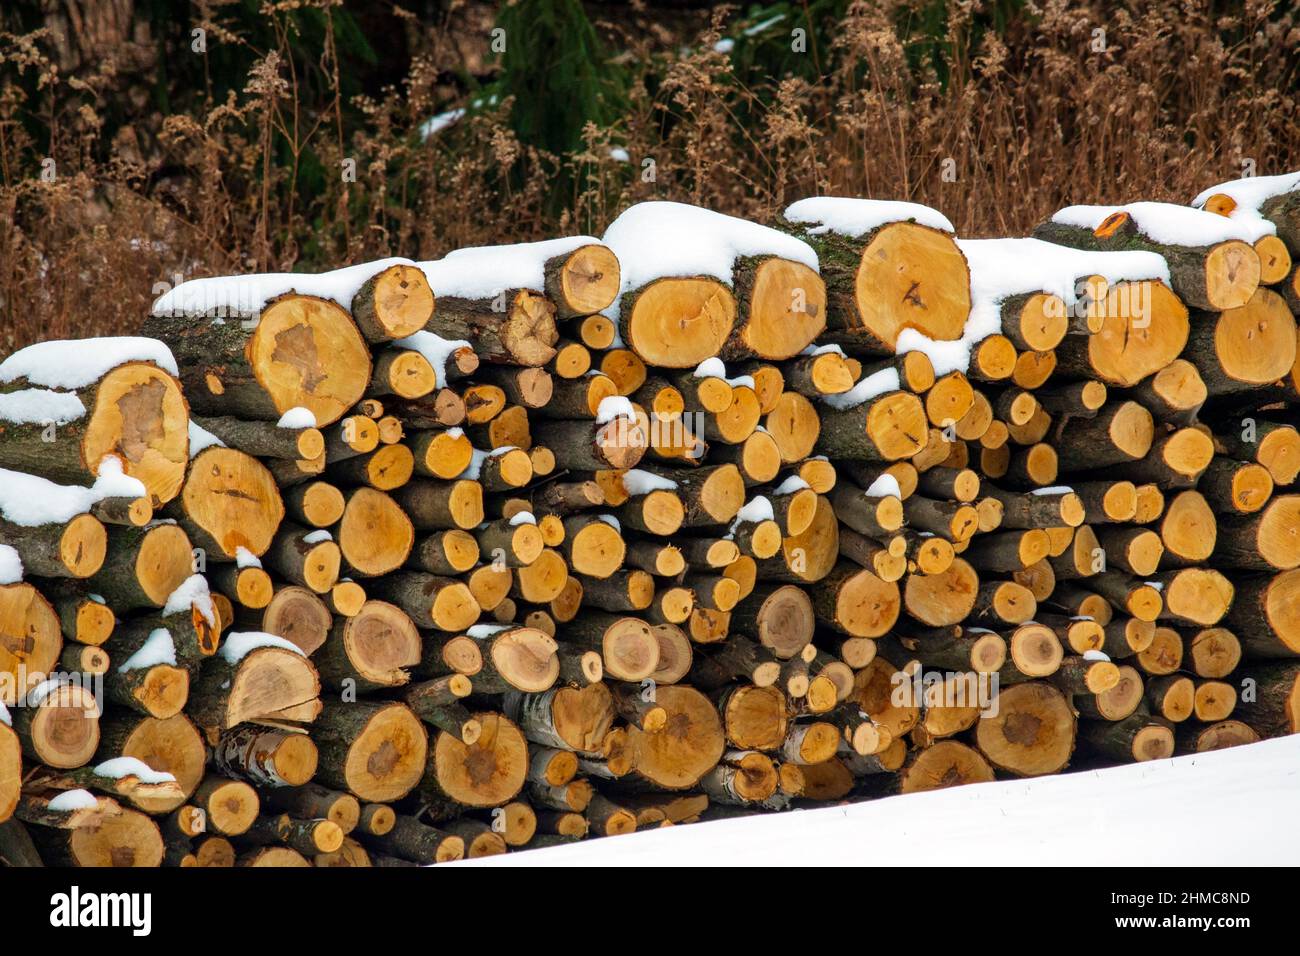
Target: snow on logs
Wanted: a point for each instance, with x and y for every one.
(546, 541)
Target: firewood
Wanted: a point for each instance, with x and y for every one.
(135, 412)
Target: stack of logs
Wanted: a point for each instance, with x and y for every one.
(536, 577)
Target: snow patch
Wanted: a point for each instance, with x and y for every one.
(120, 767)
(4, 715)
(11, 565)
(790, 486)
(240, 644)
(1249, 194)
(487, 630)
(70, 800)
(614, 406)
(158, 649)
(1246, 790)
(193, 592)
(754, 510)
(435, 349)
(877, 383)
(29, 500)
(1170, 224)
(1053, 490)
(201, 438)
(40, 406)
(316, 537)
(297, 417)
(639, 482)
(612, 522)
(883, 487)
(112, 482)
(483, 272)
(246, 559)
(857, 217)
(245, 296)
(76, 363)
(1095, 656)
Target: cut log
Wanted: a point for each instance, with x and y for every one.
(373, 750)
(523, 332)
(302, 352)
(1032, 732)
(135, 413)
(899, 276)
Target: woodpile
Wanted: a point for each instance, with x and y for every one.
(412, 562)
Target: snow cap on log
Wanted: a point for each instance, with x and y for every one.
(1168, 223)
(662, 240)
(30, 501)
(857, 217)
(78, 363)
(245, 296)
(483, 272)
(1248, 195)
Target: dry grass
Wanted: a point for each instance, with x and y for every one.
(1027, 121)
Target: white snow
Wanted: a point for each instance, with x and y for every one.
(4, 715)
(1001, 268)
(76, 363)
(1033, 822)
(192, 592)
(74, 800)
(483, 272)
(240, 644)
(883, 487)
(877, 383)
(297, 417)
(11, 565)
(1250, 194)
(816, 349)
(857, 217)
(612, 522)
(246, 559)
(29, 500)
(316, 537)
(157, 649)
(1053, 490)
(612, 407)
(790, 486)
(201, 438)
(487, 630)
(619, 154)
(1169, 223)
(1157, 586)
(477, 457)
(436, 124)
(236, 296)
(435, 349)
(522, 517)
(711, 368)
(657, 240)
(112, 482)
(636, 481)
(120, 767)
(715, 368)
(754, 510)
(1095, 655)
(40, 406)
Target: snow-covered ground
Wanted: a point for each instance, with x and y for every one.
(1141, 814)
